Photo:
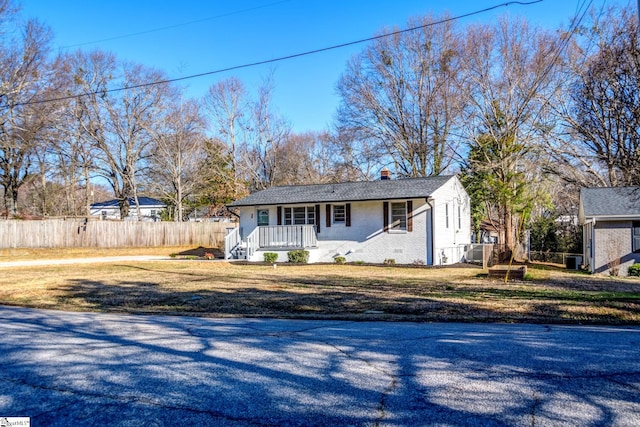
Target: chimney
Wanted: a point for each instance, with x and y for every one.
(385, 174)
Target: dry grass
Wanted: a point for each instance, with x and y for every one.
(30, 254)
(205, 288)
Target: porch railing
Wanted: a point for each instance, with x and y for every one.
(253, 243)
(231, 241)
(287, 236)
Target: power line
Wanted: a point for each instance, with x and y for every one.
(273, 60)
(169, 27)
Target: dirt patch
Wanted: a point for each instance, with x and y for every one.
(201, 252)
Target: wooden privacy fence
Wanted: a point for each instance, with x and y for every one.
(78, 233)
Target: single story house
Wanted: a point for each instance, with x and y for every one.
(110, 210)
(610, 219)
(418, 220)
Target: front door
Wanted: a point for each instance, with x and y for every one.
(263, 217)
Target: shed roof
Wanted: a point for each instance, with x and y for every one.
(610, 202)
(346, 192)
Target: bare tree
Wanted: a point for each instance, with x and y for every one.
(509, 83)
(228, 106)
(23, 83)
(177, 153)
(401, 93)
(117, 122)
(266, 133)
(605, 100)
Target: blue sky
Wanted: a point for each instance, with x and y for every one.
(222, 34)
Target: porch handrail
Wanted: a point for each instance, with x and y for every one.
(287, 236)
(231, 241)
(253, 243)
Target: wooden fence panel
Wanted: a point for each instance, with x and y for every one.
(78, 233)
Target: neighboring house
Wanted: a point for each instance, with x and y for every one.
(149, 209)
(610, 219)
(205, 214)
(488, 233)
(418, 220)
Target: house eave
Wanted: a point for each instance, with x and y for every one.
(595, 218)
(285, 202)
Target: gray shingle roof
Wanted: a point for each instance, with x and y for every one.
(610, 201)
(345, 192)
(144, 201)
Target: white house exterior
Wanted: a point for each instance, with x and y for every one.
(610, 219)
(419, 220)
(110, 210)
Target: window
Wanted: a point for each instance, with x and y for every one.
(446, 214)
(635, 243)
(459, 217)
(339, 214)
(398, 216)
(300, 215)
(263, 217)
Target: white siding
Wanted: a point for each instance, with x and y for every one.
(449, 241)
(113, 213)
(365, 240)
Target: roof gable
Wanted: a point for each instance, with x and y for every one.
(346, 192)
(610, 202)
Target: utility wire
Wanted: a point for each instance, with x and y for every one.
(169, 27)
(270, 61)
(582, 9)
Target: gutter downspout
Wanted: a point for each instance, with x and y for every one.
(592, 251)
(429, 201)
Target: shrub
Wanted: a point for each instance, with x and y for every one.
(270, 257)
(634, 270)
(340, 260)
(298, 256)
(390, 261)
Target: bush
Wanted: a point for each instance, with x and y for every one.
(340, 260)
(270, 257)
(298, 256)
(634, 270)
(390, 261)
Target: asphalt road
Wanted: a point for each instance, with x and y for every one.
(80, 369)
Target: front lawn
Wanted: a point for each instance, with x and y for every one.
(205, 288)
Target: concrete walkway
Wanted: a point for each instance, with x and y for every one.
(65, 369)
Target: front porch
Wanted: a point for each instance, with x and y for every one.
(266, 238)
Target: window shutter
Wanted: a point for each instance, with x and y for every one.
(385, 216)
(409, 215)
(317, 218)
(347, 213)
(328, 215)
(279, 212)
(636, 237)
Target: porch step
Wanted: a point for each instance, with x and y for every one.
(241, 253)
